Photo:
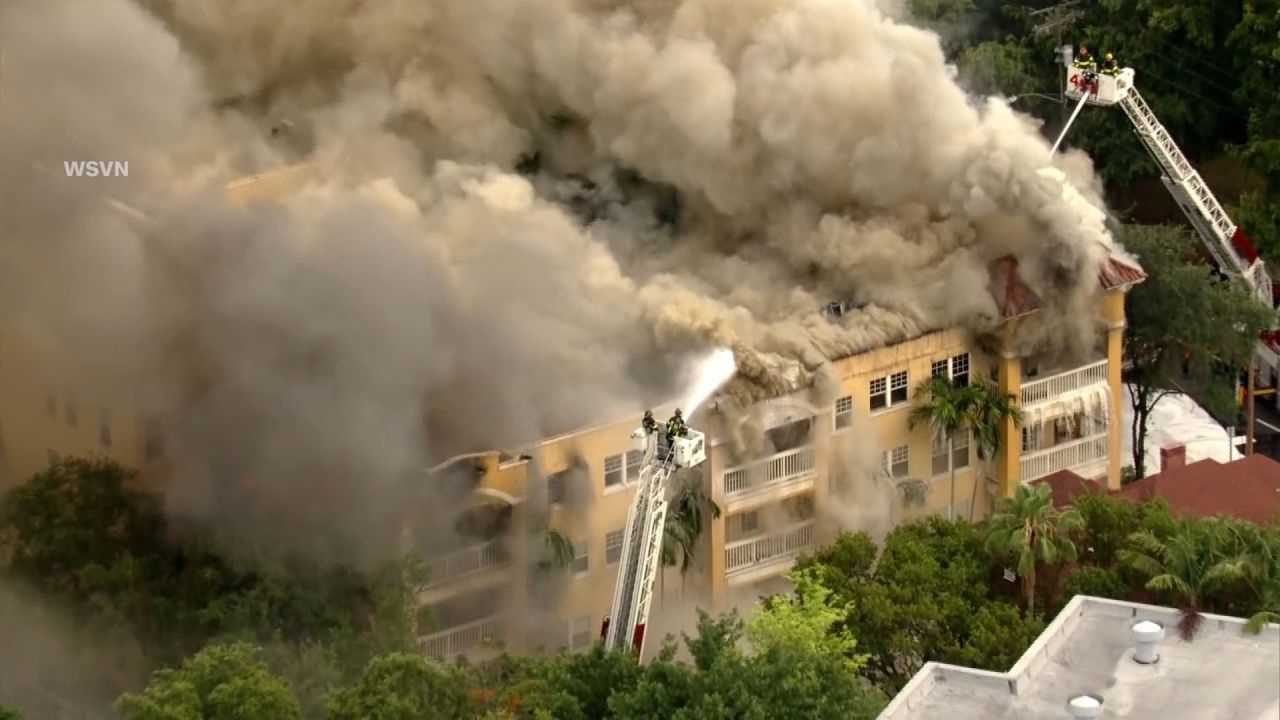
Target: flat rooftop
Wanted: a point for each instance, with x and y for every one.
(1223, 674)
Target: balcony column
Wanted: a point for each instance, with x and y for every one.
(1009, 382)
(826, 530)
(1113, 315)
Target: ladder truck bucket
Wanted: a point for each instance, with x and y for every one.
(1102, 89)
(690, 450)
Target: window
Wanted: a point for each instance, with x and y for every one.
(580, 632)
(580, 562)
(844, 412)
(556, 483)
(741, 525)
(634, 460)
(894, 462)
(613, 471)
(104, 428)
(888, 392)
(71, 415)
(613, 547)
(1032, 438)
(959, 457)
(956, 368)
(620, 468)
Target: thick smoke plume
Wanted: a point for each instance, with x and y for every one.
(529, 213)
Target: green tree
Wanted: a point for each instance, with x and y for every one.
(558, 551)
(1187, 568)
(404, 686)
(687, 515)
(7, 714)
(1182, 318)
(1097, 582)
(978, 408)
(221, 682)
(997, 636)
(1028, 530)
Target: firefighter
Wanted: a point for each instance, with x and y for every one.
(650, 424)
(676, 427)
(1109, 66)
(1084, 60)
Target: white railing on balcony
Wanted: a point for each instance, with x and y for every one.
(1063, 383)
(455, 641)
(467, 561)
(773, 471)
(1066, 456)
(744, 555)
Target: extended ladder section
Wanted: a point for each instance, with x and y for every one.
(1231, 249)
(642, 538)
(1227, 243)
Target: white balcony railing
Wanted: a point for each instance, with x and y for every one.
(773, 471)
(1063, 383)
(468, 561)
(1067, 456)
(744, 555)
(459, 640)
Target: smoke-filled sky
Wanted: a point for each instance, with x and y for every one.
(692, 174)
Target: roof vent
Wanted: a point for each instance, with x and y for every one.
(1083, 707)
(1146, 634)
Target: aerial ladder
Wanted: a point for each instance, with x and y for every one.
(1227, 244)
(642, 539)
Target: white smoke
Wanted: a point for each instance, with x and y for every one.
(697, 174)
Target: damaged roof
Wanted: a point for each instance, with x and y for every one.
(1014, 298)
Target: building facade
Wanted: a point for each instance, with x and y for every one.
(494, 583)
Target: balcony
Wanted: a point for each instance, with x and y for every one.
(1067, 456)
(776, 471)
(455, 641)
(469, 561)
(775, 548)
(1064, 384)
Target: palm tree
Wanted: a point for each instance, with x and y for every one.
(685, 523)
(989, 409)
(943, 406)
(558, 550)
(948, 408)
(1189, 564)
(1029, 530)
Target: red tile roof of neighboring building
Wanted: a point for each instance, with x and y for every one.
(1066, 485)
(1247, 489)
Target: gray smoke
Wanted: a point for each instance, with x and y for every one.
(697, 173)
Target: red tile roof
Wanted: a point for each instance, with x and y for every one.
(1117, 273)
(1066, 485)
(1015, 298)
(1012, 296)
(1247, 489)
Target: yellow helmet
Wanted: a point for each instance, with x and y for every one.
(1108, 56)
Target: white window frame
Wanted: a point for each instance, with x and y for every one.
(613, 547)
(896, 462)
(960, 444)
(634, 461)
(580, 632)
(615, 469)
(953, 367)
(581, 558)
(844, 412)
(894, 390)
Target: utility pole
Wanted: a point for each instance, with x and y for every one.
(1248, 435)
(1052, 20)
